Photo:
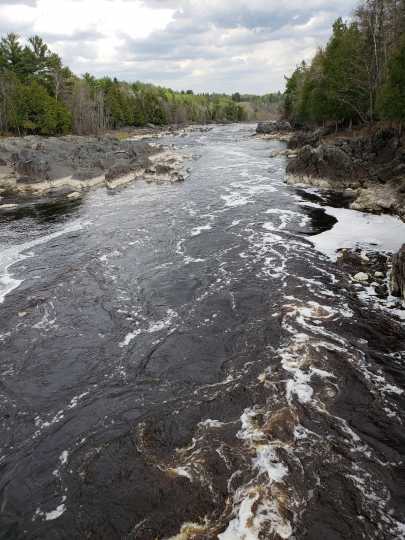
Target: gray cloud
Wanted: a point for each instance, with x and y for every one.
(250, 13)
(218, 45)
(32, 3)
(80, 36)
(238, 44)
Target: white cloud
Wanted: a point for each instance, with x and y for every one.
(217, 45)
(109, 18)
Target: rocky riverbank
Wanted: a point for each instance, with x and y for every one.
(371, 166)
(275, 130)
(376, 277)
(398, 274)
(368, 170)
(67, 166)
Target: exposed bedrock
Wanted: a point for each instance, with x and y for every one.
(324, 161)
(372, 165)
(398, 274)
(37, 165)
(304, 138)
(268, 128)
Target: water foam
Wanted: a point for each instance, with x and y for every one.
(11, 256)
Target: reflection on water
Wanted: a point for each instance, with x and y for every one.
(320, 220)
(48, 210)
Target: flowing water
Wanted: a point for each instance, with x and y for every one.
(179, 361)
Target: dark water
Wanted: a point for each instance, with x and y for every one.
(178, 361)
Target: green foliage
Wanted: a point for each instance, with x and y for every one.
(360, 62)
(391, 100)
(38, 112)
(40, 95)
(12, 55)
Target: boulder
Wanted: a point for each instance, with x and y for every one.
(361, 277)
(397, 284)
(74, 195)
(325, 161)
(376, 199)
(268, 128)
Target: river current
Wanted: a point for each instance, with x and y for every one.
(181, 361)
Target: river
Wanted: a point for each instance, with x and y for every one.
(186, 361)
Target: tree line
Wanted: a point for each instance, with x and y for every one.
(359, 77)
(39, 95)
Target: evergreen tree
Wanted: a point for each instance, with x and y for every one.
(391, 102)
(11, 54)
(40, 113)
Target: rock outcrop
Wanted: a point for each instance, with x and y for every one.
(324, 161)
(269, 128)
(63, 165)
(307, 138)
(397, 284)
(372, 165)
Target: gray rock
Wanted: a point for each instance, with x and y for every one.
(163, 169)
(268, 128)
(307, 138)
(361, 277)
(325, 161)
(87, 174)
(33, 160)
(31, 167)
(120, 168)
(397, 284)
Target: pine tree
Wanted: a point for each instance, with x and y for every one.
(391, 102)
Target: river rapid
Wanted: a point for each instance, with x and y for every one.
(187, 361)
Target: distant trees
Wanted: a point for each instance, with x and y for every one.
(40, 95)
(356, 75)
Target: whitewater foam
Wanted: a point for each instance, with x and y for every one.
(11, 256)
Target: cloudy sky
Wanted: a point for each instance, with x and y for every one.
(205, 45)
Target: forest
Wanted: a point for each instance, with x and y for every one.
(359, 77)
(39, 95)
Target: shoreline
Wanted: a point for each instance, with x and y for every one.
(317, 160)
(68, 166)
(370, 167)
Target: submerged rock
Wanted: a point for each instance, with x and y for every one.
(398, 274)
